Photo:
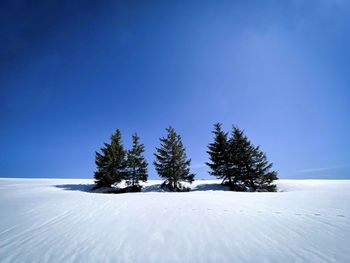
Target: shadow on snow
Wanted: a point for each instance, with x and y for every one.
(145, 189)
(210, 187)
(76, 187)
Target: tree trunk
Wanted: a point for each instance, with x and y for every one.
(252, 184)
(223, 180)
(133, 177)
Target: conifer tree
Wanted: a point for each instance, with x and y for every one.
(219, 155)
(171, 161)
(136, 164)
(250, 163)
(110, 162)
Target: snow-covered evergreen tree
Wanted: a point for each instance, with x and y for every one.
(110, 162)
(136, 165)
(253, 170)
(239, 163)
(219, 155)
(171, 161)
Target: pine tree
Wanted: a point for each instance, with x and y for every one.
(136, 165)
(110, 162)
(219, 155)
(171, 161)
(250, 163)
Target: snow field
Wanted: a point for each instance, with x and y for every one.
(58, 220)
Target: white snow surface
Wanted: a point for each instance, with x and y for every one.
(59, 220)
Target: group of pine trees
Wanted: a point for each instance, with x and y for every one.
(240, 165)
(115, 164)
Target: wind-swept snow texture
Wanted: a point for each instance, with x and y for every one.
(59, 220)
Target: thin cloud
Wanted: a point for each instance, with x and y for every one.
(320, 169)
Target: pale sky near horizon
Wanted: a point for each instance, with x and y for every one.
(74, 71)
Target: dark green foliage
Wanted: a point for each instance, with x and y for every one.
(253, 169)
(171, 162)
(219, 155)
(113, 167)
(240, 164)
(110, 162)
(136, 165)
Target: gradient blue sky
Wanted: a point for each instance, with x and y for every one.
(71, 72)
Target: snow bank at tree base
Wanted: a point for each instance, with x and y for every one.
(58, 220)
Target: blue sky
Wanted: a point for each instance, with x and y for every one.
(72, 72)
